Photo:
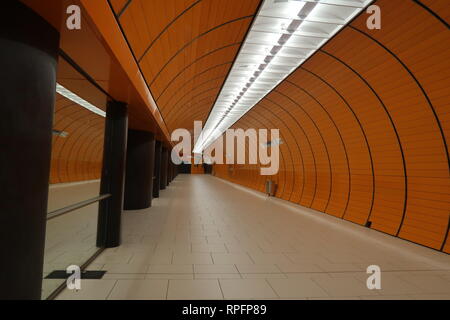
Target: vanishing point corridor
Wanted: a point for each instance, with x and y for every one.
(208, 239)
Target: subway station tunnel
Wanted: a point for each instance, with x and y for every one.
(93, 91)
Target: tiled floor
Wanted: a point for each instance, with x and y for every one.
(70, 238)
(207, 239)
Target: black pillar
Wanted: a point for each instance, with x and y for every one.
(139, 170)
(169, 171)
(169, 161)
(164, 162)
(157, 171)
(172, 171)
(113, 172)
(28, 62)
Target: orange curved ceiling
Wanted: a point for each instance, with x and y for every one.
(365, 125)
(185, 50)
(77, 155)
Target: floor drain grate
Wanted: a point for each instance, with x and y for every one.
(89, 275)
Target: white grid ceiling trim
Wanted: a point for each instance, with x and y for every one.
(78, 100)
(284, 34)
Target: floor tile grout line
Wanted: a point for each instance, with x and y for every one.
(112, 289)
(221, 290)
(317, 284)
(251, 259)
(273, 289)
(167, 290)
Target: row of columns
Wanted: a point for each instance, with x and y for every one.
(149, 169)
(135, 166)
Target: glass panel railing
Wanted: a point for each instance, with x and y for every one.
(76, 164)
(70, 240)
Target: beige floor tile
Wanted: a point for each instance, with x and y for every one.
(240, 248)
(429, 284)
(387, 297)
(258, 268)
(339, 267)
(116, 258)
(90, 290)
(430, 297)
(209, 248)
(345, 287)
(336, 298)
(362, 276)
(297, 288)
(124, 276)
(95, 267)
(192, 258)
(152, 258)
(139, 290)
(221, 240)
(295, 268)
(231, 258)
(308, 275)
(247, 289)
(269, 258)
(194, 290)
(124, 268)
(217, 276)
(170, 276)
(264, 276)
(269, 248)
(171, 268)
(175, 247)
(394, 285)
(50, 285)
(215, 268)
(198, 241)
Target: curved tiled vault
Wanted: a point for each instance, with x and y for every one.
(365, 124)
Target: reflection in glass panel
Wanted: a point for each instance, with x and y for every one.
(77, 151)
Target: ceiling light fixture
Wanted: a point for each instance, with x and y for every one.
(78, 100)
(283, 36)
(60, 133)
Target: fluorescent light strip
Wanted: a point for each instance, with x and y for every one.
(284, 35)
(78, 100)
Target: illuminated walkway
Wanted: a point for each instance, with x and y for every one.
(207, 239)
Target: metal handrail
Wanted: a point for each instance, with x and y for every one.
(63, 285)
(73, 207)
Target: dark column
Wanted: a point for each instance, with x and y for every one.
(172, 168)
(185, 168)
(169, 170)
(28, 62)
(157, 171)
(139, 170)
(164, 162)
(113, 175)
(169, 161)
